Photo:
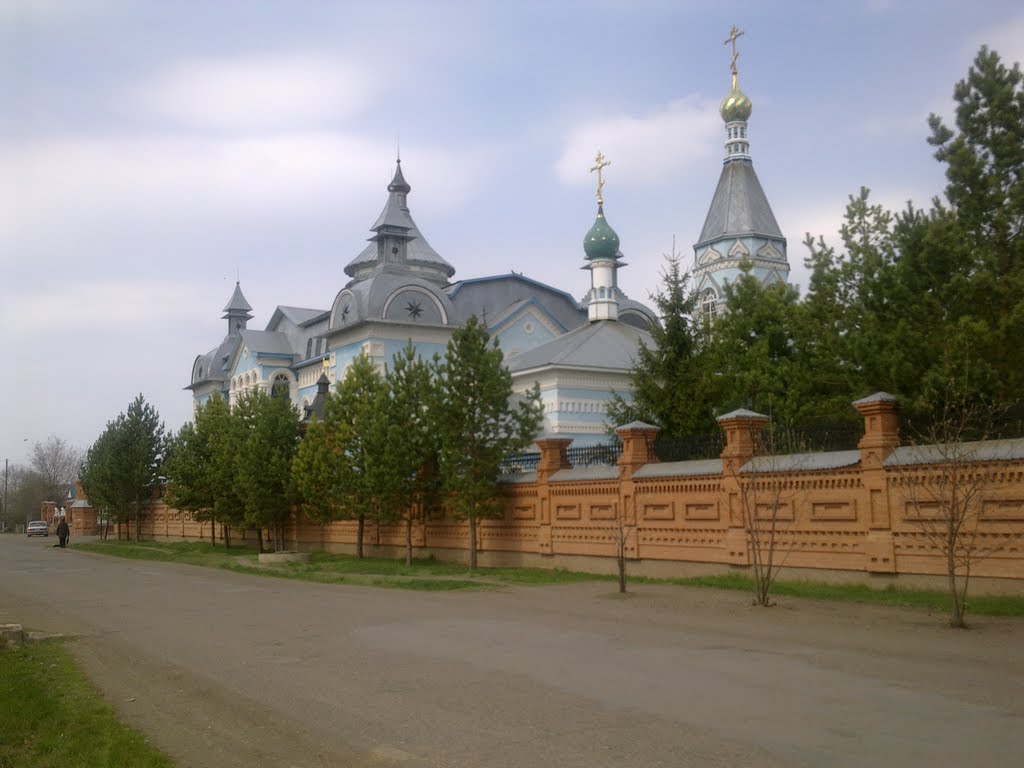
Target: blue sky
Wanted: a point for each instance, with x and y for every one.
(150, 151)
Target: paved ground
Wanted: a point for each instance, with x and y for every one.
(222, 669)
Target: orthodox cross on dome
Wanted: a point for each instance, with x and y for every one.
(601, 163)
(326, 366)
(734, 34)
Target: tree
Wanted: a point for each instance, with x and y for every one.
(125, 463)
(985, 172)
(752, 349)
(668, 378)
(202, 468)
(341, 471)
(411, 441)
(271, 434)
(56, 464)
(478, 424)
(945, 474)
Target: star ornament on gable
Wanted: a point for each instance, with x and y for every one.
(414, 309)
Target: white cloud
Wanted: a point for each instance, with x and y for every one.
(162, 183)
(129, 306)
(644, 150)
(1007, 39)
(257, 93)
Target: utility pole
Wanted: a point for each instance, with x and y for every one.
(3, 520)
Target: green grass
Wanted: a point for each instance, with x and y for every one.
(979, 605)
(51, 717)
(434, 575)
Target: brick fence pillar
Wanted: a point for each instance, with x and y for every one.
(881, 437)
(742, 430)
(553, 457)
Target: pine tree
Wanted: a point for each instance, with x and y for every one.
(668, 378)
(271, 435)
(479, 425)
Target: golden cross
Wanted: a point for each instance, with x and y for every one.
(326, 366)
(734, 33)
(601, 163)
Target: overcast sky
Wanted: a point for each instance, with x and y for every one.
(150, 151)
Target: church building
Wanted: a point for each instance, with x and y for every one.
(578, 351)
(740, 226)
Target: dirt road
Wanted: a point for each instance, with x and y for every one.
(223, 669)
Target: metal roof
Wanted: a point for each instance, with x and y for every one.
(604, 344)
(739, 206)
(801, 462)
(596, 472)
(982, 450)
(680, 469)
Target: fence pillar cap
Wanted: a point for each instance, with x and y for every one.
(637, 426)
(877, 401)
(743, 414)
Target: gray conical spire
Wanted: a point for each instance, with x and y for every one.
(396, 240)
(237, 312)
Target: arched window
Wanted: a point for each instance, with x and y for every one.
(281, 387)
(708, 306)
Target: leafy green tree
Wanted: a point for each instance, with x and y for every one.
(752, 350)
(478, 424)
(265, 456)
(126, 462)
(668, 378)
(202, 468)
(342, 469)
(102, 481)
(409, 476)
(984, 160)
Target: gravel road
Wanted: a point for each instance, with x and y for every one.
(223, 669)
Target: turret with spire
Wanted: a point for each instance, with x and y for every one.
(740, 226)
(397, 241)
(237, 312)
(601, 246)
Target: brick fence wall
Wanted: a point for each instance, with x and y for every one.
(838, 515)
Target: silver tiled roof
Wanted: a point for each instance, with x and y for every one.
(596, 472)
(516, 478)
(604, 344)
(802, 462)
(982, 450)
(266, 342)
(739, 206)
(680, 469)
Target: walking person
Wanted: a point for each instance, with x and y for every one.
(63, 532)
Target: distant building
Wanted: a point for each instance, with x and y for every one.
(400, 290)
(579, 351)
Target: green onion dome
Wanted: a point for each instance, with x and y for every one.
(601, 241)
(736, 105)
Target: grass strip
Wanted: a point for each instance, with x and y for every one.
(434, 575)
(52, 717)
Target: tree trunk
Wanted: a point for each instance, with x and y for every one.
(213, 530)
(226, 531)
(138, 518)
(622, 568)
(408, 539)
(359, 535)
(259, 540)
(472, 542)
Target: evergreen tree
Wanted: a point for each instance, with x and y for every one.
(343, 470)
(202, 468)
(478, 424)
(752, 349)
(984, 161)
(271, 436)
(668, 378)
(411, 441)
(126, 462)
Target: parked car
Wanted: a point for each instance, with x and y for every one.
(37, 528)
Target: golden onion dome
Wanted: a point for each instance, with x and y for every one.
(736, 105)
